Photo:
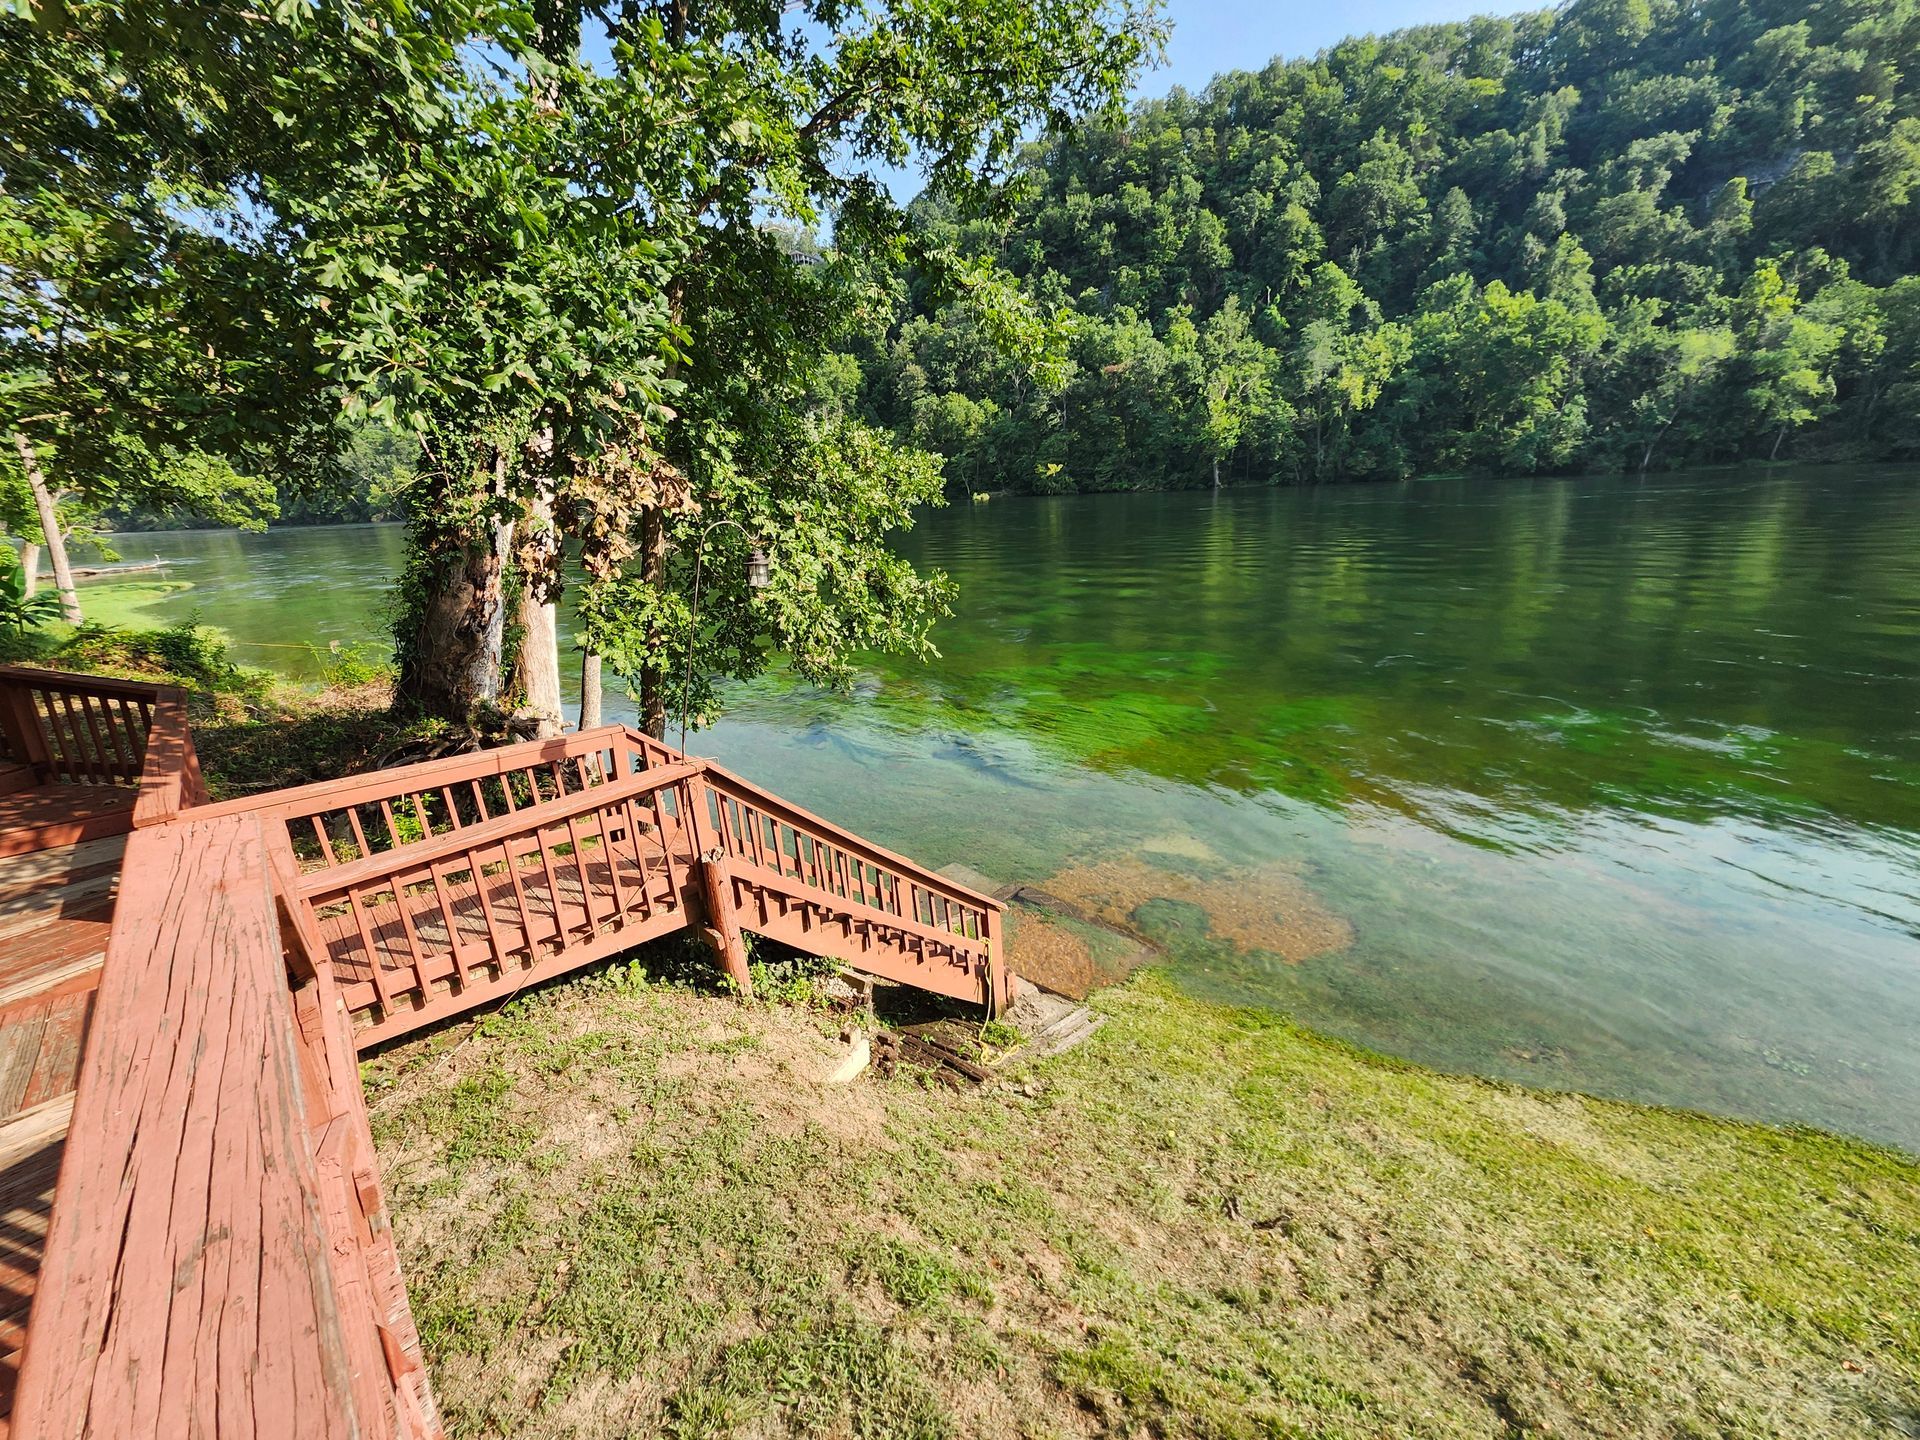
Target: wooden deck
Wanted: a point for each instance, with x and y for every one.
(56, 909)
(195, 1239)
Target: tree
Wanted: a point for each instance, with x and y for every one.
(1622, 163)
(156, 347)
(1788, 354)
(769, 132)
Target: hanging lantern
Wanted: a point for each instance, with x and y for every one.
(759, 569)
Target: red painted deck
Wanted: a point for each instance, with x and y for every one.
(181, 1007)
(56, 909)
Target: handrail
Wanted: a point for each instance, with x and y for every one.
(864, 912)
(170, 770)
(83, 681)
(418, 854)
(725, 780)
(298, 801)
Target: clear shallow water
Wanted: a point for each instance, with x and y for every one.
(1601, 783)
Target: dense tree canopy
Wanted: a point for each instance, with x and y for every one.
(1624, 233)
(554, 246)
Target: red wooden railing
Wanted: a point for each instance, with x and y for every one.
(77, 729)
(88, 730)
(805, 880)
(437, 887)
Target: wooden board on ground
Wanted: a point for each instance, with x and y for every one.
(953, 1052)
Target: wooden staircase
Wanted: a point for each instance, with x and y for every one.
(433, 889)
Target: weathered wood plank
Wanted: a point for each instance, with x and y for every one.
(187, 1285)
(30, 1146)
(57, 815)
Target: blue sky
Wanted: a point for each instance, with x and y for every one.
(1214, 35)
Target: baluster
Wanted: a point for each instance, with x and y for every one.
(393, 828)
(76, 749)
(520, 899)
(359, 835)
(494, 938)
(56, 742)
(666, 851)
(88, 708)
(633, 826)
(450, 918)
(586, 881)
(613, 864)
(553, 885)
(374, 963)
(122, 728)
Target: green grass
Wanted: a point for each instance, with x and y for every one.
(633, 1210)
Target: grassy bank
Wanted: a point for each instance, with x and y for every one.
(633, 1210)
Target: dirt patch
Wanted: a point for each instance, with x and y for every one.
(1268, 907)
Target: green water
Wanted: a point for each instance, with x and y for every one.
(1602, 783)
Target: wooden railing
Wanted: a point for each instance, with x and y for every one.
(432, 888)
(77, 729)
(944, 935)
(90, 730)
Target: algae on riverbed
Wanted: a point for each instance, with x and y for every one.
(625, 1211)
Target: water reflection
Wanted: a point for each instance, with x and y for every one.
(1605, 783)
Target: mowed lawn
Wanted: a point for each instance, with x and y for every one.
(628, 1209)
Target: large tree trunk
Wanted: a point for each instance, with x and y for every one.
(589, 690)
(30, 566)
(451, 665)
(56, 543)
(538, 663)
(653, 573)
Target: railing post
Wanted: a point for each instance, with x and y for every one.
(716, 890)
(21, 723)
(1000, 981)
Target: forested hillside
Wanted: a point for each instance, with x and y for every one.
(1623, 234)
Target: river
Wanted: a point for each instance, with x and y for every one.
(1604, 783)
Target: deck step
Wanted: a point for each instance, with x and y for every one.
(55, 815)
(30, 1147)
